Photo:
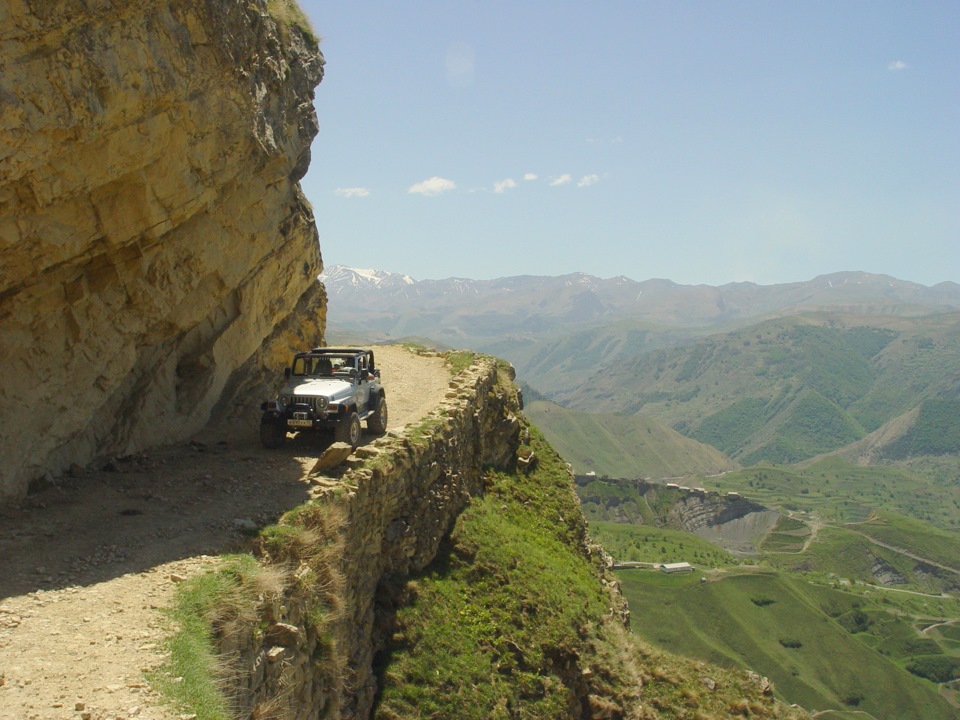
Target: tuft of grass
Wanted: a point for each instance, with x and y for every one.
(288, 14)
(207, 607)
(460, 360)
(221, 609)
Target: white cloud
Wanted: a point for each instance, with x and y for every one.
(530, 176)
(897, 65)
(433, 186)
(504, 185)
(564, 179)
(588, 180)
(351, 192)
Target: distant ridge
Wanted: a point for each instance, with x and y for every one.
(340, 279)
(530, 303)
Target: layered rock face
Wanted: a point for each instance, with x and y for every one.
(154, 242)
(397, 501)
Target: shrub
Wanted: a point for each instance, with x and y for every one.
(936, 668)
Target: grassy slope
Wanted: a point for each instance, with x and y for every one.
(643, 543)
(788, 389)
(839, 491)
(623, 445)
(505, 624)
(811, 666)
(773, 625)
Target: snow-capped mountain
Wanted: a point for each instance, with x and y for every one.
(340, 278)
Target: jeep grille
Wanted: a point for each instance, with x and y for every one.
(317, 403)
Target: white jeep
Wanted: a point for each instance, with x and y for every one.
(327, 388)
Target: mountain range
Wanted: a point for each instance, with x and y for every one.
(462, 308)
(864, 364)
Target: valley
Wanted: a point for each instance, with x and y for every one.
(799, 446)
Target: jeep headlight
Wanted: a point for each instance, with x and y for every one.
(285, 400)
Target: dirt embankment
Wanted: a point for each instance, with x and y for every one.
(87, 567)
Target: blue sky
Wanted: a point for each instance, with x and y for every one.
(703, 142)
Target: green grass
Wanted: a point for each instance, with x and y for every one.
(789, 389)
(936, 431)
(775, 626)
(191, 680)
(647, 543)
(788, 536)
(508, 620)
(623, 445)
(839, 491)
(920, 538)
(811, 425)
(491, 625)
(459, 360)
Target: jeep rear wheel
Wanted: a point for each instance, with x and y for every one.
(377, 423)
(348, 430)
(272, 435)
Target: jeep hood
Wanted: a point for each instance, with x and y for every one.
(327, 387)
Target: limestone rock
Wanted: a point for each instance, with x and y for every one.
(156, 250)
(285, 635)
(332, 457)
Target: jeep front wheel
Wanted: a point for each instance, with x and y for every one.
(377, 423)
(272, 435)
(348, 430)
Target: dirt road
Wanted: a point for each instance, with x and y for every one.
(87, 567)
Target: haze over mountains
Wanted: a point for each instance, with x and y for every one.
(778, 373)
(463, 308)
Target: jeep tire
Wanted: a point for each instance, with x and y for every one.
(348, 431)
(272, 435)
(377, 423)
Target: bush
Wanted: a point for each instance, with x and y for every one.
(936, 668)
(855, 621)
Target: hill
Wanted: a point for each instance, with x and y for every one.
(623, 445)
(873, 591)
(825, 649)
(780, 373)
(836, 490)
(789, 389)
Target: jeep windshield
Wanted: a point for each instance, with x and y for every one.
(321, 365)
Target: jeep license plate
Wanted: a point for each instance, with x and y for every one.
(300, 423)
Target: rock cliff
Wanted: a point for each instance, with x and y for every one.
(385, 514)
(154, 242)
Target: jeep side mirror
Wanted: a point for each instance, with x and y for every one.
(286, 373)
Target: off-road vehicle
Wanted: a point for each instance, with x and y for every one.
(327, 388)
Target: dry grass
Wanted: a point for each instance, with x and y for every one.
(288, 14)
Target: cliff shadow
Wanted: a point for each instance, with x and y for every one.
(129, 514)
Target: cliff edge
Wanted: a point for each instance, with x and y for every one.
(154, 241)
